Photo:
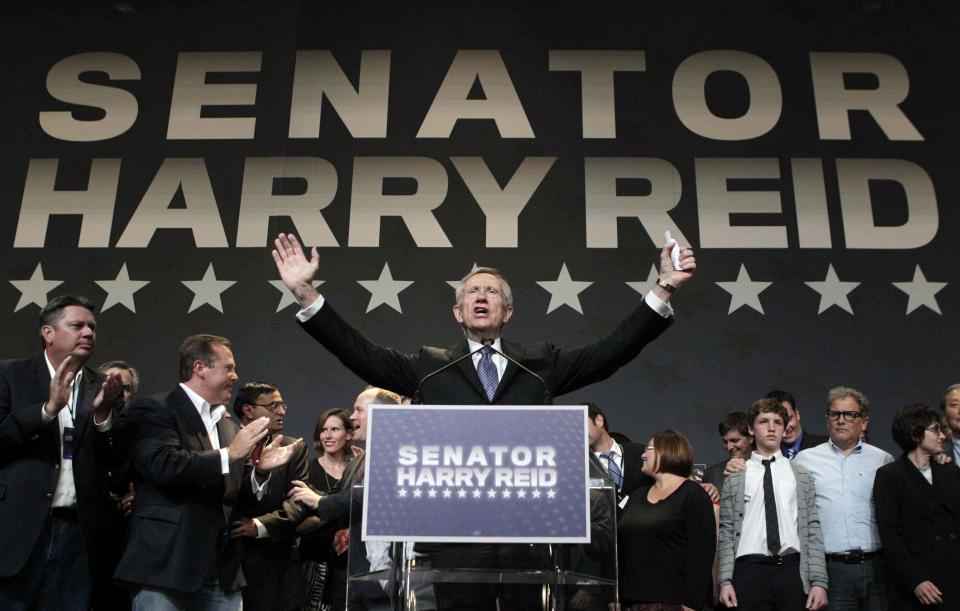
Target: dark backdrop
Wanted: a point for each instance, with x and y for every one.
(870, 193)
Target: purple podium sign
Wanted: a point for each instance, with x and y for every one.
(477, 474)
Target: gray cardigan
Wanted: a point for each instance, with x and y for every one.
(813, 567)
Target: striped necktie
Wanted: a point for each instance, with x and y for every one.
(615, 473)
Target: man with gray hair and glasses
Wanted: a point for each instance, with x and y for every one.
(843, 470)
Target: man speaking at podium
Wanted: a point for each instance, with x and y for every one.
(485, 368)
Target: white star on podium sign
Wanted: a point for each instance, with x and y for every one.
(744, 291)
(921, 291)
(206, 291)
(35, 289)
(645, 286)
(287, 299)
(833, 291)
(455, 284)
(564, 291)
(385, 290)
(121, 290)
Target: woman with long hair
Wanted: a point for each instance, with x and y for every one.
(326, 560)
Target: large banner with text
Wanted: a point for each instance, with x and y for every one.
(807, 151)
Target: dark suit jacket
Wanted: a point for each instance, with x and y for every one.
(633, 478)
(271, 584)
(184, 507)
(714, 474)
(30, 461)
(562, 370)
(919, 527)
(810, 440)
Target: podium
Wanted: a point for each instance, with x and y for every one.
(453, 506)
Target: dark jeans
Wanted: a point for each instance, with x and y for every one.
(56, 576)
(765, 587)
(857, 587)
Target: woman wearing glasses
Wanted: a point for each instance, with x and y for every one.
(918, 515)
(667, 533)
(324, 545)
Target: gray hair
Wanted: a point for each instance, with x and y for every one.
(842, 392)
(125, 366)
(943, 399)
(504, 285)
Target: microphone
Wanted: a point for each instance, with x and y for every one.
(417, 399)
(547, 398)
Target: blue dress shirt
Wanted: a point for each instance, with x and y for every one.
(844, 485)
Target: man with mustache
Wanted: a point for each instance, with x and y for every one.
(267, 521)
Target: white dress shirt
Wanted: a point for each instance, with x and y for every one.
(65, 494)
(210, 415)
(753, 531)
(616, 453)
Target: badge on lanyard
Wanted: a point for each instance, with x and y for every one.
(69, 439)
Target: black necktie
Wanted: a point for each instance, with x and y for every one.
(770, 509)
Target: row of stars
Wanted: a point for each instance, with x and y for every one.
(564, 291)
(476, 493)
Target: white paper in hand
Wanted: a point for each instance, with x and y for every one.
(674, 252)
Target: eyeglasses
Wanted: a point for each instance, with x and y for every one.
(273, 406)
(847, 416)
(475, 291)
(936, 429)
(649, 448)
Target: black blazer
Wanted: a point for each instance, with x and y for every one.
(919, 527)
(562, 370)
(633, 478)
(810, 440)
(30, 462)
(184, 507)
(714, 474)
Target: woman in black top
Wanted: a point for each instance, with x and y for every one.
(326, 565)
(666, 536)
(918, 515)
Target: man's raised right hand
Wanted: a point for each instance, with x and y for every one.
(296, 271)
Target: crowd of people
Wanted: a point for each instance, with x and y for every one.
(195, 499)
(802, 522)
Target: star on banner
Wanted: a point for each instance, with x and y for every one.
(35, 289)
(287, 298)
(645, 286)
(921, 291)
(206, 291)
(833, 291)
(744, 291)
(564, 291)
(385, 290)
(455, 284)
(121, 290)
